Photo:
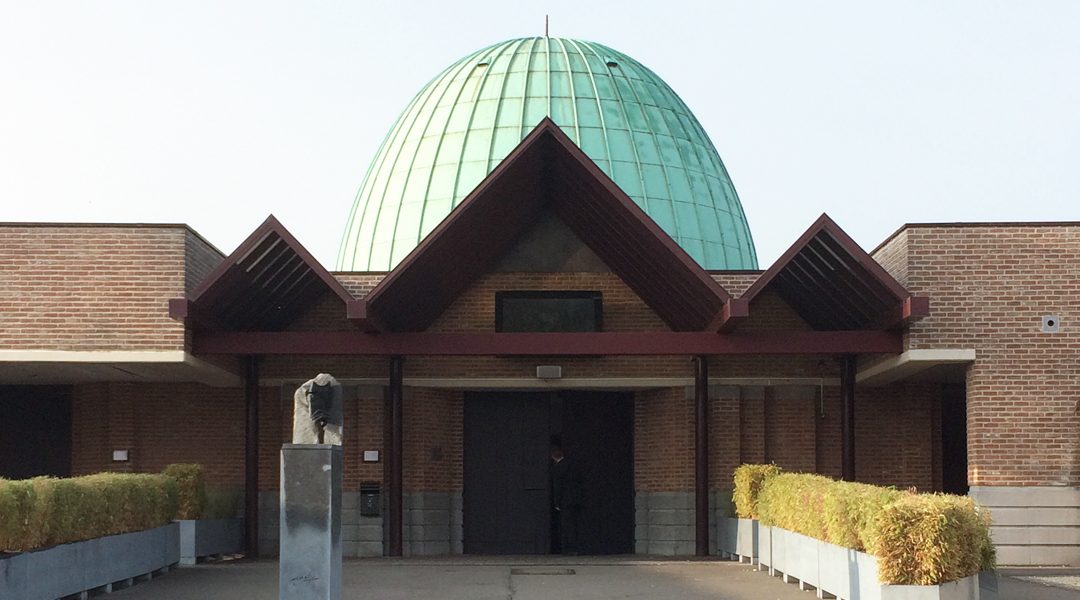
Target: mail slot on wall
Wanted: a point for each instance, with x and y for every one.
(370, 501)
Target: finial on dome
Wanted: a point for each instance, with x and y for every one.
(545, 26)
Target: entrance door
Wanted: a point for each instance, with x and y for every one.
(506, 462)
(36, 435)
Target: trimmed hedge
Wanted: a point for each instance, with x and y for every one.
(918, 539)
(45, 511)
(930, 538)
(192, 487)
(748, 480)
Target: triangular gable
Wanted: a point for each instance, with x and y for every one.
(835, 285)
(546, 170)
(266, 283)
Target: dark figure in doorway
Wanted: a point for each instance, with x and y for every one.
(566, 499)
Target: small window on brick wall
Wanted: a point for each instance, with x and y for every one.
(548, 312)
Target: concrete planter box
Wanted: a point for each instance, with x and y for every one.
(73, 568)
(853, 575)
(210, 537)
(738, 538)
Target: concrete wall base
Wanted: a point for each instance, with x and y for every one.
(1033, 525)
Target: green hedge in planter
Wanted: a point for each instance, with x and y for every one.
(45, 511)
(929, 538)
(192, 486)
(748, 480)
(918, 539)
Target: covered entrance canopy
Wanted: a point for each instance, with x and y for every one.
(246, 306)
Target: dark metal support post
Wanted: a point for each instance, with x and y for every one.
(393, 415)
(847, 416)
(251, 457)
(701, 456)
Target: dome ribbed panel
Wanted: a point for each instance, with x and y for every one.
(469, 117)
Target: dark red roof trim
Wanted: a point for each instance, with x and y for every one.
(650, 343)
(268, 281)
(546, 171)
(835, 285)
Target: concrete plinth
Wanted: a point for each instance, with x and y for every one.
(310, 533)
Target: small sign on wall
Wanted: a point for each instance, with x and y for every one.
(120, 455)
(371, 456)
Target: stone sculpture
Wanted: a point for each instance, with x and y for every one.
(317, 412)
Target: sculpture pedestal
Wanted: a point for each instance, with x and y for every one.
(310, 564)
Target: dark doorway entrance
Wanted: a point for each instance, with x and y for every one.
(954, 439)
(35, 438)
(506, 497)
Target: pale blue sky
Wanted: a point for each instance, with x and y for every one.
(216, 114)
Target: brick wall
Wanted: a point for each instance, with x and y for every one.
(663, 441)
(93, 287)
(433, 422)
(989, 286)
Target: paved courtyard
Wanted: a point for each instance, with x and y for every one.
(514, 579)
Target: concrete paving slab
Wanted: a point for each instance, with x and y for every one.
(515, 578)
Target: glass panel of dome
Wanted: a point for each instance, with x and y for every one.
(715, 254)
(668, 153)
(515, 83)
(694, 248)
(687, 218)
(627, 177)
(625, 89)
(605, 87)
(635, 115)
(614, 117)
(442, 181)
(395, 185)
(655, 182)
(729, 235)
(698, 184)
(459, 118)
(646, 148)
(434, 213)
(588, 112)
(469, 176)
(583, 86)
(555, 58)
(562, 112)
(492, 87)
(439, 117)
(593, 142)
(660, 210)
(506, 139)
(688, 154)
(538, 85)
(706, 218)
(679, 184)
(577, 63)
(655, 117)
(477, 143)
(408, 221)
(535, 111)
(509, 113)
(561, 86)
(416, 185)
(425, 152)
(379, 259)
(450, 149)
(619, 143)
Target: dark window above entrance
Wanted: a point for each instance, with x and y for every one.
(548, 312)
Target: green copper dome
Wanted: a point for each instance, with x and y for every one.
(624, 117)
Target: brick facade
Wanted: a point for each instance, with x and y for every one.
(990, 285)
(96, 287)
